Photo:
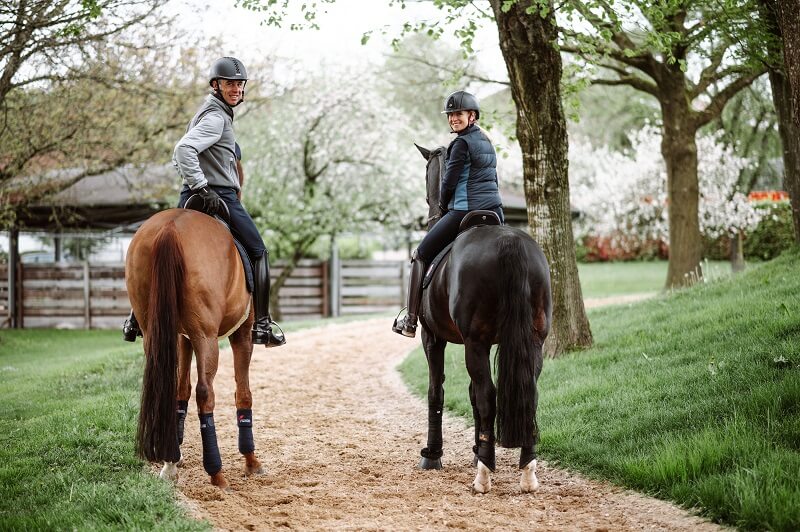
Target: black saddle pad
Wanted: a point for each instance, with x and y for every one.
(248, 266)
(486, 218)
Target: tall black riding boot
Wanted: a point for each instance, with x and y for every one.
(130, 329)
(262, 326)
(408, 325)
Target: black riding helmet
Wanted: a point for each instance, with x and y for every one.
(228, 68)
(462, 101)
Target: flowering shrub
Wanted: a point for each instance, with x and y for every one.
(623, 197)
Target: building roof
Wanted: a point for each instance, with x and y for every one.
(123, 197)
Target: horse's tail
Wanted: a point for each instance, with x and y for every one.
(516, 380)
(157, 438)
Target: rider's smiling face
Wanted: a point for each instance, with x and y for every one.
(460, 120)
(231, 90)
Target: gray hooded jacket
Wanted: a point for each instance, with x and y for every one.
(205, 155)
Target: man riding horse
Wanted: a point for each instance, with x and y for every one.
(469, 183)
(205, 159)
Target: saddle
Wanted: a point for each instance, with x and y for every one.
(472, 219)
(196, 203)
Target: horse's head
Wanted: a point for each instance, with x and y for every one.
(433, 177)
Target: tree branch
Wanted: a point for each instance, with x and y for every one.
(718, 101)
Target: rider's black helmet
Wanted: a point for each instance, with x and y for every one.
(227, 68)
(462, 101)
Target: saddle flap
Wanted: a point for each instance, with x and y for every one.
(435, 264)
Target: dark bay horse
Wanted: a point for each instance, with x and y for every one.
(187, 286)
(493, 288)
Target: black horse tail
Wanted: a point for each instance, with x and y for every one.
(157, 437)
(516, 380)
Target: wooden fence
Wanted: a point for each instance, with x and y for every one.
(84, 295)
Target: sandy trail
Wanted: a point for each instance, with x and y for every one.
(340, 436)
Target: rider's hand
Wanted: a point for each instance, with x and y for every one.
(442, 208)
(212, 203)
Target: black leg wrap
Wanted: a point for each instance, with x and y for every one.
(486, 450)
(435, 427)
(212, 462)
(244, 419)
(180, 414)
(432, 454)
(526, 456)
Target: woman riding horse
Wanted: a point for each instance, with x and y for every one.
(493, 288)
(469, 184)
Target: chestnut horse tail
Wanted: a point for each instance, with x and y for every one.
(516, 381)
(157, 438)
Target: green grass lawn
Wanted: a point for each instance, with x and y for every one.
(692, 397)
(604, 279)
(70, 401)
(67, 429)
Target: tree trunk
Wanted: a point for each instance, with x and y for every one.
(786, 95)
(790, 138)
(679, 149)
(737, 252)
(528, 43)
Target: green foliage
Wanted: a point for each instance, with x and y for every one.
(67, 432)
(277, 12)
(691, 397)
(774, 234)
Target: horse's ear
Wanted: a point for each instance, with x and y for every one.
(424, 151)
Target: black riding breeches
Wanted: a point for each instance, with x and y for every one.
(242, 226)
(444, 232)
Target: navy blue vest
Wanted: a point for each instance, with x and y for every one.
(477, 185)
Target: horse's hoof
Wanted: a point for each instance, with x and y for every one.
(180, 461)
(252, 466)
(218, 480)
(528, 482)
(169, 471)
(480, 488)
(254, 471)
(483, 480)
(430, 463)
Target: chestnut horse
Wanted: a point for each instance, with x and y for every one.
(187, 286)
(493, 288)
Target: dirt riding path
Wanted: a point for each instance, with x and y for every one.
(340, 435)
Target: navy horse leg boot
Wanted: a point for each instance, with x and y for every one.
(408, 325)
(262, 326)
(130, 329)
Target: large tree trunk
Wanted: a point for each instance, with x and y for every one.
(786, 94)
(679, 149)
(790, 138)
(528, 43)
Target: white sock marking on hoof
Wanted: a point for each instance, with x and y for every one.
(169, 471)
(483, 479)
(528, 482)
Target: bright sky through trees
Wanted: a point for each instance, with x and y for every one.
(342, 25)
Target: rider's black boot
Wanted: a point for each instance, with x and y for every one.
(408, 325)
(262, 326)
(130, 329)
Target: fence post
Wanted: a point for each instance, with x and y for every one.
(87, 311)
(335, 280)
(14, 289)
